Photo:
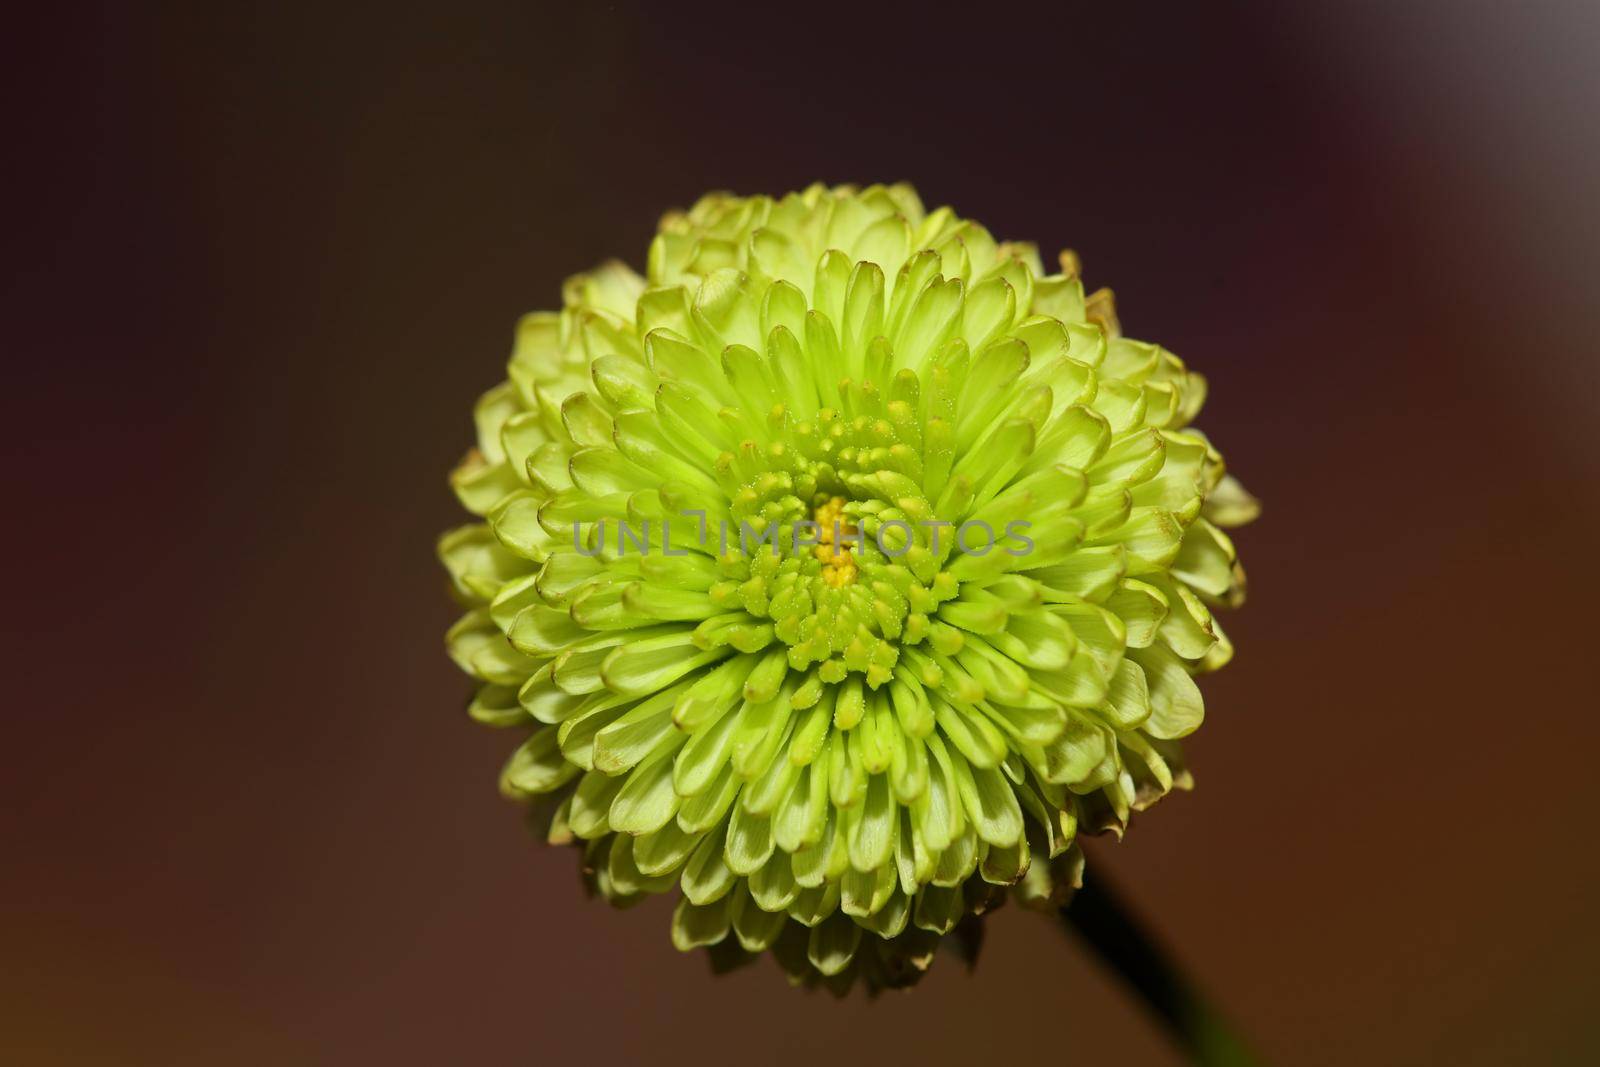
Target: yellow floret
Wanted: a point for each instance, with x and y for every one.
(838, 563)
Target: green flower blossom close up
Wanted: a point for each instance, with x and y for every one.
(837, 573)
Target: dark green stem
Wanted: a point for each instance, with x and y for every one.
(1095, 913)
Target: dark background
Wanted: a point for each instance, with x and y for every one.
(264, 259)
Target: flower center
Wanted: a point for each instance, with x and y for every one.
(833, 552)
(835, 533)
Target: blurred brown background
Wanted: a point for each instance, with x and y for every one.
(265, 258)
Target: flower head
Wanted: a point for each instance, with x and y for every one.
(840, 570)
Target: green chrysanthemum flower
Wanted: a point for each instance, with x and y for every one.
(841, 569)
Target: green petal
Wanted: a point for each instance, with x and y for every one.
(989, 802)
(706, 877)
(695, 925)
(537, 766)
(833, 944)
(749, 843)
(1176, 709)
(647, 802)
(757, 928)
(665, 850)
